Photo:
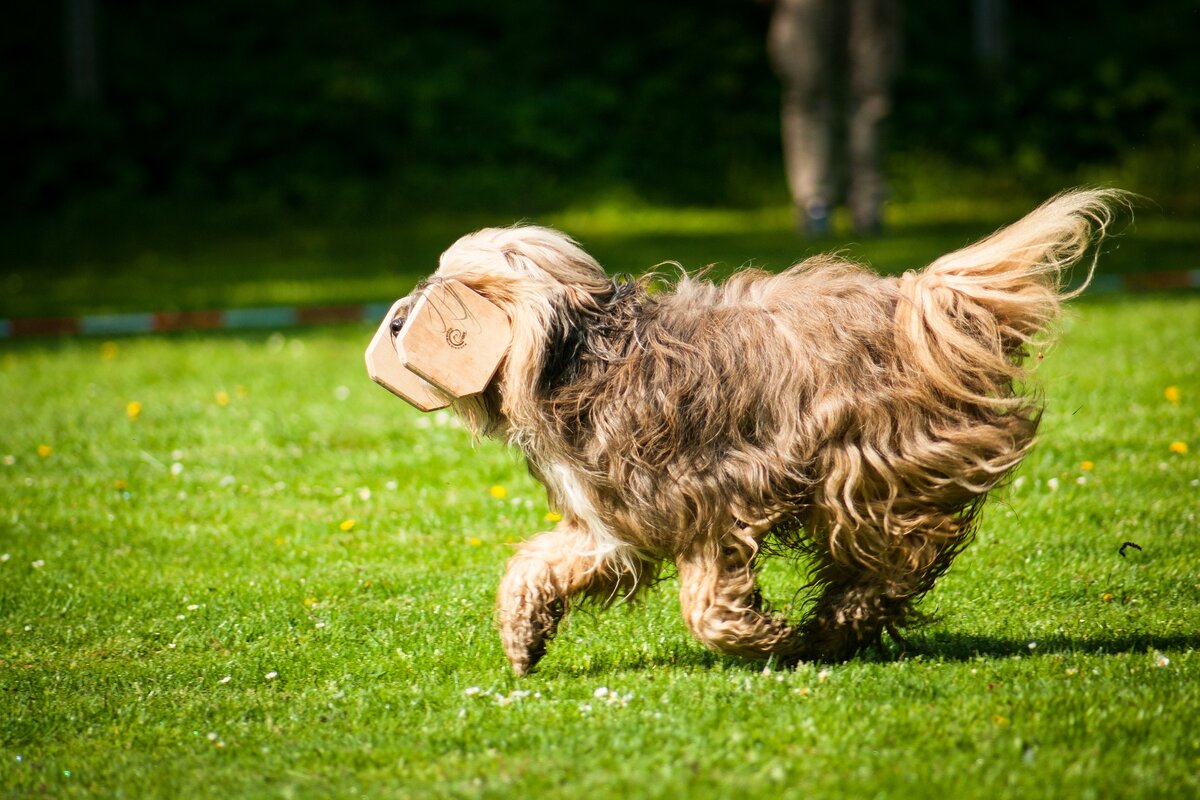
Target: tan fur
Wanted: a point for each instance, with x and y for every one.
(862, 419)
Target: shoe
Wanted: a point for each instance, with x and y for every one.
(816, 219)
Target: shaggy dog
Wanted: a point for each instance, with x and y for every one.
(857, 418)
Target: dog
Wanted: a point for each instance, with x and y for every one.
(857, 419)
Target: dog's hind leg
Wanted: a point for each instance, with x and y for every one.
(721, 603)
(542, 578)
(873, 589)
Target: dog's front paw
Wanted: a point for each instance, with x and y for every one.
(529, 613)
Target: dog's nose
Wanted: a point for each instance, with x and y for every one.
(397, 324)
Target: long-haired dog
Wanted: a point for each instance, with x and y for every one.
(857, 418)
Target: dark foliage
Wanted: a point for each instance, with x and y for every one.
(467, 103)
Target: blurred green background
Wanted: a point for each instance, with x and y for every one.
(222, 140)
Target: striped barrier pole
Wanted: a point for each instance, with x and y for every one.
(298, 316)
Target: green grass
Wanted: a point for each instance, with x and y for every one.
(171, 259)
(143, 605)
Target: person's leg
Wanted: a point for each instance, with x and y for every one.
(801, 42)
(874, 44)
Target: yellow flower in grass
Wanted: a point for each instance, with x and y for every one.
(1172, 395)
(1086, 466)
(1179, 447)
(475, 541)
(498, 492)
(44, 450)
(346, 525)
(108, 351)
(120, 485)
(134, 409)
(222, 398)
(552, 516)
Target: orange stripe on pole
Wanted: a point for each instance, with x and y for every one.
(188, 320)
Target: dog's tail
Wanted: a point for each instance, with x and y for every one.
(967, 317)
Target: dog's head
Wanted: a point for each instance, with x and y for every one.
(548, 287)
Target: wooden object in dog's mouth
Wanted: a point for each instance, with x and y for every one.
(453, 339)
(386, 367)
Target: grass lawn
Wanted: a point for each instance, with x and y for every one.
(170, 260)
(271, 578)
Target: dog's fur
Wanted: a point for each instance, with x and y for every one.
(862, 419)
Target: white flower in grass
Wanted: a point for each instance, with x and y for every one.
(272, 675)
(823, 675)
(601, 692)
(1052, 484)
(364, 493)
(176, 469)
(192, 607)
(585, 708)
(1032, 645)
(341, 392)
(391, 486)
(471, 691)
(1160, 660)
(228, 480)
(38, 564)
(226, 679)
(5, 556)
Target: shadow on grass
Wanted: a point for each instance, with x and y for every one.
(950, 647)
(965, 647)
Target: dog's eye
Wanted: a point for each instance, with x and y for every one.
(397, 324)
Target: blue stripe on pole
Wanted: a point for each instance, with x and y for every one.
(275, 316)
(1106, 284)
(5, 329)
(374, 312)
(109, 324)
